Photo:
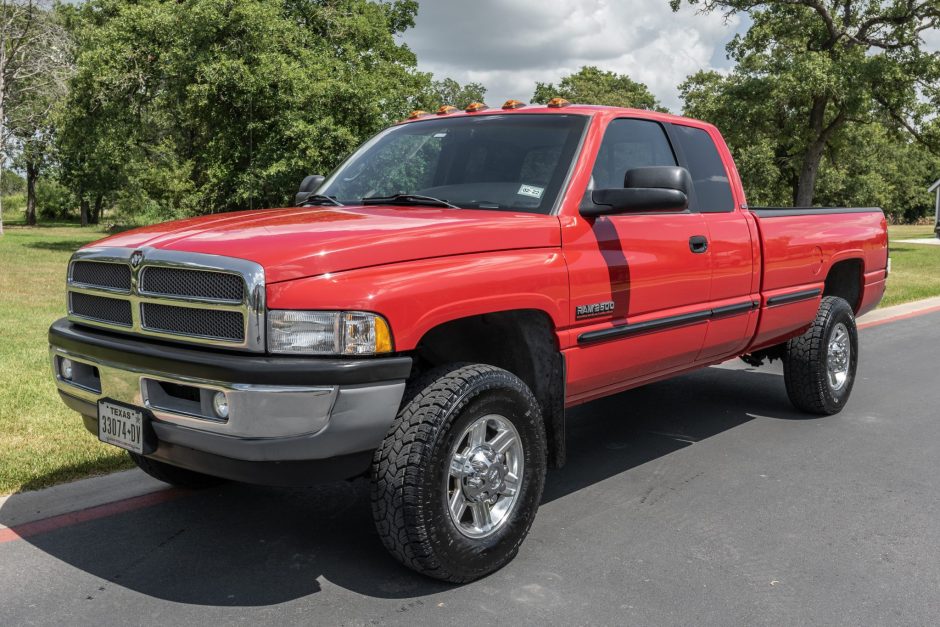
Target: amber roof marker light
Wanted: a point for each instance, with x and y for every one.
(445, 109)
(513, 104)
(417, 113)
(473, 107)
(558, 103)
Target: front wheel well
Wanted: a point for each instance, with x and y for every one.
(845, 281)
(520, 341)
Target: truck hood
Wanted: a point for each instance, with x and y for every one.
(309, 241)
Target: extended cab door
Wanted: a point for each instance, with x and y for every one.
(639, 283)
(733, 296)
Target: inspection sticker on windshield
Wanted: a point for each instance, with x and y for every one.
(530, 190)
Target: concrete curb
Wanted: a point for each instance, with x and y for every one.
(926, 241)
(26, 507)
(899, 312)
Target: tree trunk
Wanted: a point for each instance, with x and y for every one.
(3, 94)
(1, 196)
(32, 173)
(806, 183)
(821, 133)
(83, 203)
(96, 213)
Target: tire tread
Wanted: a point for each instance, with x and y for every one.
(804, 364)
(397, 497)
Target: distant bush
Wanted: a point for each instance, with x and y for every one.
(12, 183)
(14, 206)
(54, 201)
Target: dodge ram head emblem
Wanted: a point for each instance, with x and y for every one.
(136, 258)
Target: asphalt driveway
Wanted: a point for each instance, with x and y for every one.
(701, 500)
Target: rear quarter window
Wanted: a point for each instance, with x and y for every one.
(712, 188)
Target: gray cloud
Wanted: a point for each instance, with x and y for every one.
(509, 46)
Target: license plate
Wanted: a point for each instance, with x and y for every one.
(121, 426)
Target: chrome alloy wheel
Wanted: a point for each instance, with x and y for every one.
(838, 357)
(482, 485)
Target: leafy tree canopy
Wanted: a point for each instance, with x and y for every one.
(450, 92)
(810, 75)
(590, 85)
(206, 105)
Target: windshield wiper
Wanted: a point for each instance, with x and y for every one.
(408, 199)
(320, 199)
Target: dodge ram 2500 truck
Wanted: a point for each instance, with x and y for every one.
(429, 311)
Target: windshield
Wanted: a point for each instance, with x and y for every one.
(506, 162)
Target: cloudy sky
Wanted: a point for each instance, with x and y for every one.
(508, 45)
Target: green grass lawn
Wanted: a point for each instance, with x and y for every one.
(915, 268)
(42, 442)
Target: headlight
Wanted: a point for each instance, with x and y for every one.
(328, 332)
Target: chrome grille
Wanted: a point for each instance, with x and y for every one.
(111, 310)
(115, 276)
(209, 323)
(192, 283)
(174, 295)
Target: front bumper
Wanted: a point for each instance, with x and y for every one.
(291, 421)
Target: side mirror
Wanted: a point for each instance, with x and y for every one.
(307, 187)
(654, 188)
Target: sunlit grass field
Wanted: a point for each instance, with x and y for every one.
(42, 442)
(915, 268)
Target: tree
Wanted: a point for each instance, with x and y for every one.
(875, 163)
(33, 98)
(450, 92)
(590, 85)
(809, 69)
(201, 106)
(22, 32)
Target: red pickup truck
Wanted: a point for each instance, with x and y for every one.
(429, 311)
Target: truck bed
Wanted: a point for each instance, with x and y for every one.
(799, 246)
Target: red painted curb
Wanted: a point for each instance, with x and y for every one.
(92, 513)
(904, 316)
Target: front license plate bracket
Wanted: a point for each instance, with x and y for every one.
(126, 426)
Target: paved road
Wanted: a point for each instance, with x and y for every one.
(702, 500)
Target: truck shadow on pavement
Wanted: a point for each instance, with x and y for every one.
(250, 546)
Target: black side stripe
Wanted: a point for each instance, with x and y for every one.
(733, 310)
(780, 212)
(660, 324)
(794, 297)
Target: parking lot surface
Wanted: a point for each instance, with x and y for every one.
(702, 500)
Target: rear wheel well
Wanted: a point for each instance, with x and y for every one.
(520, 341)
(845, 281)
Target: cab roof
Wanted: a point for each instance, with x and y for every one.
(568, 109)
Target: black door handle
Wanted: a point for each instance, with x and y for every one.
(698, 243)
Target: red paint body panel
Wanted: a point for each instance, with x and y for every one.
(799, 250)
(309, 241)
(423, 266)
(797, 254)
(419, 295)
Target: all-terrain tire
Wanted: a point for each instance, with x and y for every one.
(410, 470)
(174, 475)
(805, 364)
